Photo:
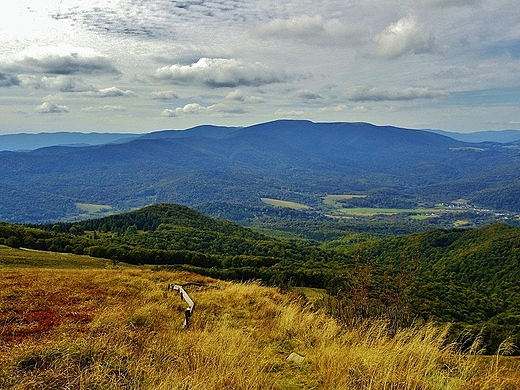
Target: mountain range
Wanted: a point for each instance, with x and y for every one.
(237, 167)
(26, 141)
(483, 136)
(32, 141)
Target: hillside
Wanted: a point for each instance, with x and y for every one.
(469, 277)
(115, 328)
(227, 171)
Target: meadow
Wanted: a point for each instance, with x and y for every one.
(284, 203)
(106, 327)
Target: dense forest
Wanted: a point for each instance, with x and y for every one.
(468, 277)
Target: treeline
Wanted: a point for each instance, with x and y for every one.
(173, 234)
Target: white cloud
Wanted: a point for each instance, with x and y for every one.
(404, 36)
(63, 59)
(51, 108)
(165, 95)
(336, 108)
(367, 93)
(360, 109)
(104, 108)
(237, 95)
(240, 96)
(60, 83)
(190, 108)
(449, 3)
(306, 96)
(284, 113)
(195, 109)
(310, 29)
(220, 72)
(169, 113)
(112, 92)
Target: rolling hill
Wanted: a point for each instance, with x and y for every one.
(289, 160)
(464, 276)
(115, 328)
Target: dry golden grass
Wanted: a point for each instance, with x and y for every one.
(122, 329)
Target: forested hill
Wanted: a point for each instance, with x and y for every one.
(296, 161)
(468, 277)
(473, 273)
(160, 216)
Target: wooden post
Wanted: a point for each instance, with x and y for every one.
(184, 295)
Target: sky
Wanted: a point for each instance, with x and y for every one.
(136, 66)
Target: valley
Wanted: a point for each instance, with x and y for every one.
(455, 214)
(226, 172)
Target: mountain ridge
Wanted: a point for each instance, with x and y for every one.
(291, 160)
(500, 136)
(29, 141)
(32, 141)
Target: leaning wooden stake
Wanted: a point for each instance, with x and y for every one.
(184, 295)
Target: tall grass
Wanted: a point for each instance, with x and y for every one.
(121, 329)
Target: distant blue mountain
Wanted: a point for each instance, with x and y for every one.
(501, 136)
(209, 131)
(287, 159)
(26, 141)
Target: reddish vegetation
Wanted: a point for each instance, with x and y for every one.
(29, 310)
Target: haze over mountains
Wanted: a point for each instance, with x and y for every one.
(290, 160)
(32, 141)
(26, 141)
(483, 136)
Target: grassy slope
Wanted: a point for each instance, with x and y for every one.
(15, 258)
(464, 276)
(114, 328)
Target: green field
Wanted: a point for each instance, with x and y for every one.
(284, 203)
(93, 208)
(370, 211)
(89, 210)
(418, 213)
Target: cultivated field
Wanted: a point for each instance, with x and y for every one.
(89, 210)
(119, 328)
(284, 203)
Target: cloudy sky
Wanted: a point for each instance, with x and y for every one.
(143, 65)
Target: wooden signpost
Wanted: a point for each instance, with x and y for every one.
(184, 295)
